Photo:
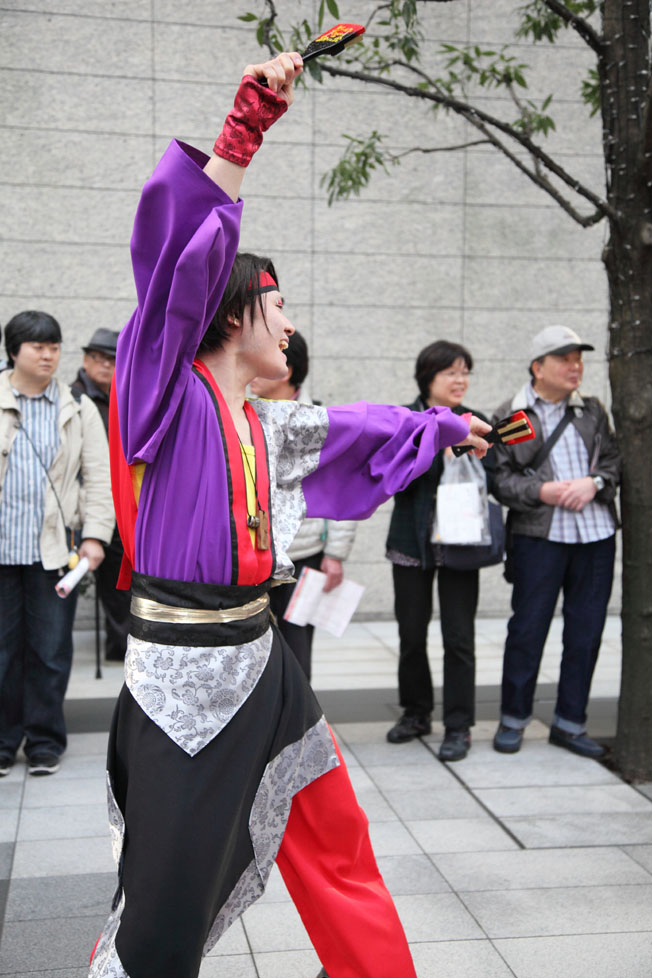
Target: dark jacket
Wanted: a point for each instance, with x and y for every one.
(414, 508)
(519, 490)
(83, 383)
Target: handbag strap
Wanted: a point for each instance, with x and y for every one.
(550, 442)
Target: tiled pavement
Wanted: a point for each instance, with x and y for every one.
(537, 865)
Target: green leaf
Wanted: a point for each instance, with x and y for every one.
(332, 7)
(248, 17)
(315, 71)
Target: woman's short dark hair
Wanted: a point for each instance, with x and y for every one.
(297, 358)
(30, 327)
(238, 296)
(435, 357)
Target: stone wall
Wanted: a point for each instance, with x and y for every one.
(453, 245)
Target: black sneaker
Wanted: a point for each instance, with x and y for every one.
(42, 764)
(455, 745)
(6, 764)
(409, 727)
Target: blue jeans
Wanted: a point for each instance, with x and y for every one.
(583, 572)
(35, 659)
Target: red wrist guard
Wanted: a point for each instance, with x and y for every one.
(254, 110)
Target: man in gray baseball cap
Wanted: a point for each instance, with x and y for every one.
(556, 341)
(560, 490)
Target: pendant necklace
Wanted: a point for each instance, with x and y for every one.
(258, 522)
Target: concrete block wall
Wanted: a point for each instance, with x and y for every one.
(454, 245)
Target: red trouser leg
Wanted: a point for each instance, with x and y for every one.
(330, 871)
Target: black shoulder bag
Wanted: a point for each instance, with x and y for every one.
(537, 461)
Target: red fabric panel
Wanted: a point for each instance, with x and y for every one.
(124, 501)
(329, 868)
(254, 566)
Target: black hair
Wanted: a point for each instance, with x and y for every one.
(30, 327)
(297, 358)
(238, 296)
(435, 357)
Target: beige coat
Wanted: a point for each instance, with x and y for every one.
(83, 450)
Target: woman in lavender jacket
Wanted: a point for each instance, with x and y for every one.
(220, 760)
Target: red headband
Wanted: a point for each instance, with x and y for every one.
(265, 284)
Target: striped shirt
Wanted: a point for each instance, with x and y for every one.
(570, 460)
(22, 502)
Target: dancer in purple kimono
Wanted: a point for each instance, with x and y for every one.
(220, 760)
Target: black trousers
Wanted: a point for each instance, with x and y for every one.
(115, 603)
(298, 637)
(458, 601)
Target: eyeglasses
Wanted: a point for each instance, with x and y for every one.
(465, 374)
(101, 357)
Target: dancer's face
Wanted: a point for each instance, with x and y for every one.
(266, 338)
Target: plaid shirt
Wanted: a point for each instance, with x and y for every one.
(570, 460)
(22, 501)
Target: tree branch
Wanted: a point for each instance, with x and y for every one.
(475, 115)
(439, 149)
(540, 180)
(578, 23)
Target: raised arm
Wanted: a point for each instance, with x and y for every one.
(184, 242)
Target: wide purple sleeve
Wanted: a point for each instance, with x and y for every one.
(373, 451)
(183, 245)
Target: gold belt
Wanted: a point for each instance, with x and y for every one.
(154, 611)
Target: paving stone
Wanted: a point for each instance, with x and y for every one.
(6, 856)
(589, 956)
(384, 753)
(540, 832)
(8, 824)
(61, 896)
(53, 790)
(555, 911)
(10, 793)
(411, 777)
(86, 744)
(63, 822)
(81, 766)
(436, 917)
(375, 807)
(538, 868)
(392, 839)
(641, 854)
(275, 927)
(37, 945)
(536, 764)
(460, 835)
(645, 789)
(69, 857)
(411, 874)
(506, 802)
(461, 959)
(286, 964)
(234, 942)
(453, 802)
(236, 966)
(68, 973)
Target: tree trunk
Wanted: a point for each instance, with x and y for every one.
(625, 78)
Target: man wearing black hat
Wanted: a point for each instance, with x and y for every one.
(94, 380)
(560, 490)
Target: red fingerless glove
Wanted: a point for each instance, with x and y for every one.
(254, 110)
